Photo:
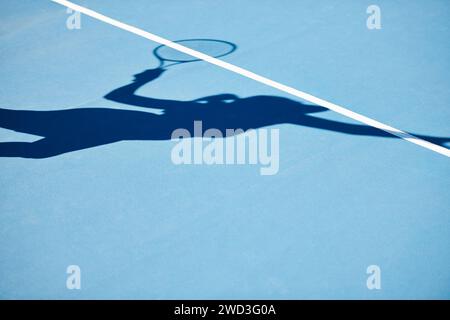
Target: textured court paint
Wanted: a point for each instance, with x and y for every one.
(341, 110)
(142, 228)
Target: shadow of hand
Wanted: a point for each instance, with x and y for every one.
(148, 75)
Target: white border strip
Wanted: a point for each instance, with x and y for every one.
(303, 95)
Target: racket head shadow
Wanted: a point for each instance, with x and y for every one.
(211, 47)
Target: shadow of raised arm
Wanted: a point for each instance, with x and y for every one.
(127, 94)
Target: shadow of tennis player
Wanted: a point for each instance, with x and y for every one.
(76, 129)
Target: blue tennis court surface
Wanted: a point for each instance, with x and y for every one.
(87, 177)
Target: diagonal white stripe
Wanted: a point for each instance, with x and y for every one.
(246, 73)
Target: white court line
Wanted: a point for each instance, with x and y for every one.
(225, 65)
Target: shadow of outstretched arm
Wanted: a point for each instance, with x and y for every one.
(360, 130)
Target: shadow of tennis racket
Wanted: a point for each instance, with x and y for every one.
(168, 56)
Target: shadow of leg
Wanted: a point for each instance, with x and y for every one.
(15, 149)
(33, 150)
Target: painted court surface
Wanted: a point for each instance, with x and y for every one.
(139, 226)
